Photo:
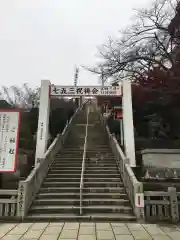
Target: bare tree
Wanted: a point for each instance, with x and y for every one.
(24, 97)
(144, 44)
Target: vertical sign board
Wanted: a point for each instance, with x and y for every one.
(9, 139)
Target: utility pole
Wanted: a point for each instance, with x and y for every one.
(102, 78)
(76, 75)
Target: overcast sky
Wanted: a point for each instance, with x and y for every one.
(45, 39)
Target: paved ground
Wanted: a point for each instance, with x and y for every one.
(89, 231)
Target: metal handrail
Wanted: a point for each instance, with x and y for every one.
(83, 161)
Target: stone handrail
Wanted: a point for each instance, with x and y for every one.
(29, 187)
(132, 185)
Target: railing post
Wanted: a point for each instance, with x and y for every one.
(173, 204)
(139, 201)
(21, 200)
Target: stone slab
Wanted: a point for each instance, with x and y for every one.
(69, 233)
(11, 237)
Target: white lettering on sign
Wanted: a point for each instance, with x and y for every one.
(85, 91)
(139, 200)
(9, 134)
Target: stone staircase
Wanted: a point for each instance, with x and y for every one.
(104, 197)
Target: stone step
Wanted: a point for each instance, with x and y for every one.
(95, 149)
(88, 168)
(67, 179)
(102, 179)
(85, 190)
(70, 143)
(98, 167)
(66, 167)
(66, 163)
(87, 184)
(105, 201)
(76, 209)
(59, 189)
(75, 164)
(104, 189)
(54, 209)
(60, 183)
(86, 175)
(68, 160)
(107, 209)
(88, 195)
(76, 160)
(103, 148)
(104, 217)
(99, 154)
(79, 157)
(57, 202)
(101, 175)
(90, 156)
(74, 144)
(76, 175)
(85, 201)
(103, 184)
(76, 150)
(64, 171)
(102, 171)
(72, 179)
(105, 159)
(69, 154)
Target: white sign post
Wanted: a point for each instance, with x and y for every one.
(9, 139)
(43, 121)
(128, 125)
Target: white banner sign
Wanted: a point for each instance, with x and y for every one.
(85, 91)
(9, 139)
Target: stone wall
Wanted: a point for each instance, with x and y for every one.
(162, 163)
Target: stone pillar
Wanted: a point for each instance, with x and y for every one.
(43, 121)
(174, 204)
(129, 144)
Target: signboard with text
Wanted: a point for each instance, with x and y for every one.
(85, 90)
(9, 139)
